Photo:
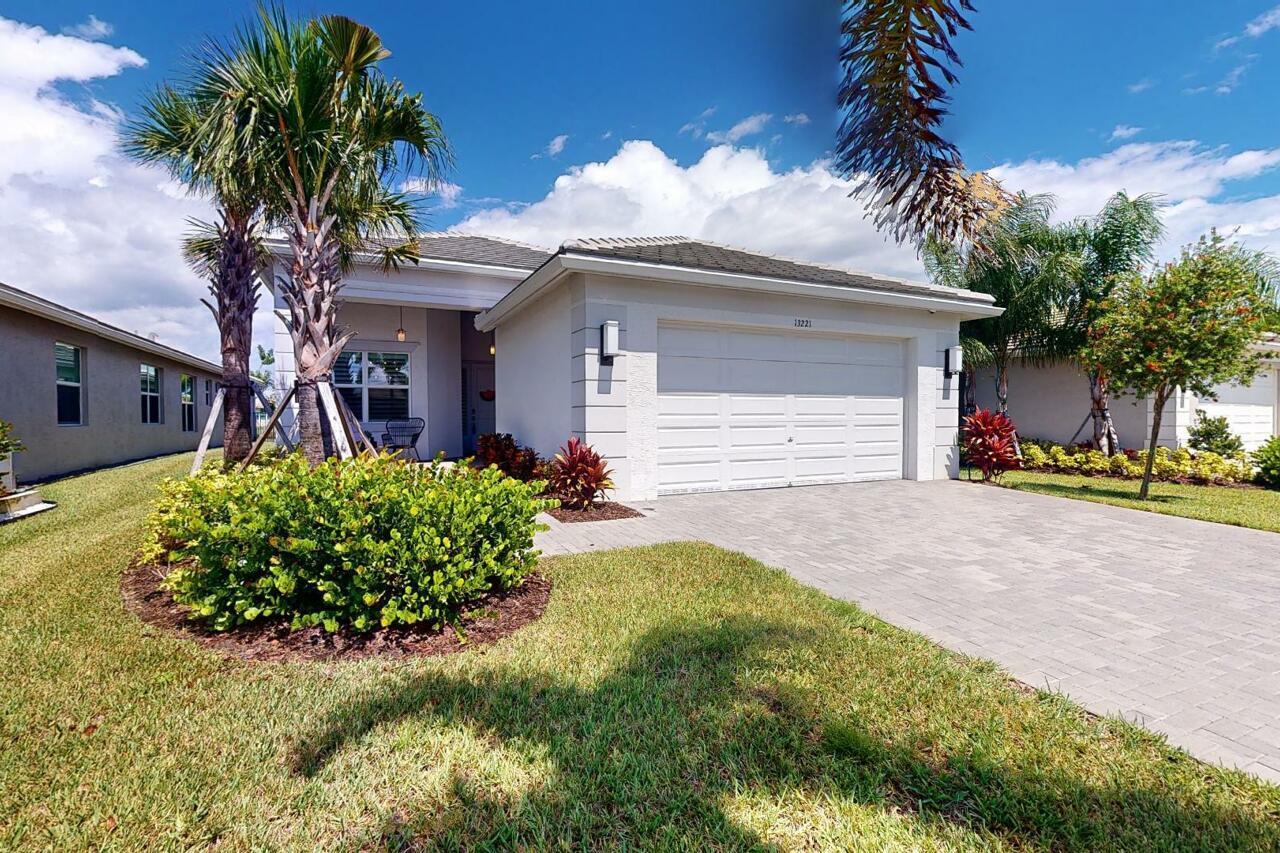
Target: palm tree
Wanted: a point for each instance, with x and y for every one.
(176, 131)
(332, 131)
(1113, 247)
(897, 61)
(1024, 263)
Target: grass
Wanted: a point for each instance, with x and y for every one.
(1243, 507)
(676, 697)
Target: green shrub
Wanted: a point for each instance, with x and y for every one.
(357, 543)
(1178, 465)
(1267, 458)
(9, 443)
(1214, 435)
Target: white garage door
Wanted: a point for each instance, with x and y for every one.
(745, 410)
(1249, 409)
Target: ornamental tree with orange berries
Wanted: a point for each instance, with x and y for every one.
(1189, 324)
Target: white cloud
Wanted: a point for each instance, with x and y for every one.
(796, 118)
(82, 225)
(735, 196)
(698, 126)
(554, 147)
(449, 193)
(94, 28)
(1228, 83)
(749, 126)
(608, 134)
(730, 195)
(1140, 86)
(1124, 131)
(1194, 181)
(1265, 22)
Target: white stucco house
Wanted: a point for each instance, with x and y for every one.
(720, 369)
(1052, 403)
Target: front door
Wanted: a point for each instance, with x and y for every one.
(477, 402)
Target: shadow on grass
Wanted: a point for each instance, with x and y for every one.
(1101, 489)
(649, 755)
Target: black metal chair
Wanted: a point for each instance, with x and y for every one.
(402, 434)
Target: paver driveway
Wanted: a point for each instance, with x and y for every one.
(1171, 622)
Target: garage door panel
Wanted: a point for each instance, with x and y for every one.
(685, 438)
(748, 436)
(831, 467)
(766, 470)
(688, 405)
(770, 409)
(773, 406)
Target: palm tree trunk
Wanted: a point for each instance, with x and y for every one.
(1161, 399)
(1104, 430)
(236, 292)
(311, 292)
(1002, 387)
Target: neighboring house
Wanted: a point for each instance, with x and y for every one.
(82, 394)
(732, 369)
(1052, 403)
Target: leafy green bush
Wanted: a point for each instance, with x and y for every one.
(1214, 435)
(1267, 458)
(9, 443)
(357, 543)
(1177, 465)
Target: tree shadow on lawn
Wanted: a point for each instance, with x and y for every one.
(1106, 491)
(649, 756)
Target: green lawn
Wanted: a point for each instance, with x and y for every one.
(1256, 508)
(675, 697)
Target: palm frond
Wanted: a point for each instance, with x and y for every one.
(898, 61)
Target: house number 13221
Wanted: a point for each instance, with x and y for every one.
(803, 324)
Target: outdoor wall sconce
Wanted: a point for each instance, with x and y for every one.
(608, 341)
(493, 350)
(400, 332)
(954, 360)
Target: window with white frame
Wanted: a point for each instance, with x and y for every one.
(152, 405)
(68, 370)
(374, 384)
(188, 385)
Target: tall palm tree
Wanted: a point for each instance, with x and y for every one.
(897, 62)
(176, 131)
(332, 131)
(1024, 264)
(1113, 247)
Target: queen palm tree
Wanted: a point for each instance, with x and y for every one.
(1113, 247)
(1024, 263)
(331, 130)
(897, 62)
(176, 131)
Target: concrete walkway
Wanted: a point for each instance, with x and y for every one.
(1173, 623)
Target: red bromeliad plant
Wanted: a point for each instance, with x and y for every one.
(578, 475)
(990, 443)
(500, 449)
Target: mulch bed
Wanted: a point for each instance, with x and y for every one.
(607, 511)
(483, 622)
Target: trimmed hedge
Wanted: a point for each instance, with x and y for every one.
(1179, 465)
(360, 543)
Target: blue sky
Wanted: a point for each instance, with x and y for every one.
(711, 118)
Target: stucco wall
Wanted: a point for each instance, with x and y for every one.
(112, 431)
(532, 373)
(1051, 402)
(616, 407)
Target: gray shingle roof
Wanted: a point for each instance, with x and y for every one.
(474, 249)
(701, 255)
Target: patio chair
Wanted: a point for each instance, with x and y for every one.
(402, 434)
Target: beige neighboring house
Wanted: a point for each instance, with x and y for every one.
(83, 394)
(1051, 403)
